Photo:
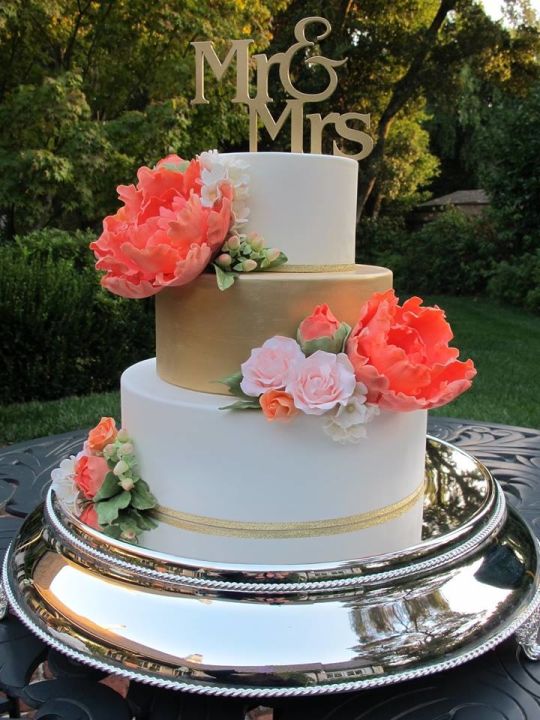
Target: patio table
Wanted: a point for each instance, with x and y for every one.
(502, 684)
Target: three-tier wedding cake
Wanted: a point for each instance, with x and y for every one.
(241, 488)
(284, 418)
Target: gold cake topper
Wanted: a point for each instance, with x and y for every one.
(294, 108)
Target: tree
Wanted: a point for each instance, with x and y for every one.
(496, 58)
(511, 173)
(407, 164)
(91, 90)
(401, 53)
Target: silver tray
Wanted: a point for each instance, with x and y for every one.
(267, 631)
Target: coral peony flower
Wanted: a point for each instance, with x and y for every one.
(163, 235)
(267, 368)
(322, 331)
(277, 405)
(89, 516)
(320, 382)
(90, 472)
(402, 355)
(103, 434)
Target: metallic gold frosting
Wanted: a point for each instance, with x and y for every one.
(204, 334)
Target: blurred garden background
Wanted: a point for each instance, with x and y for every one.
(92, 89)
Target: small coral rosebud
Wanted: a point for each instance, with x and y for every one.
(249, 265)
(256, 241)
(120, 468)
(224, 260)
(122, 435)
(233, 242)
(127, 484)
(322, 331)
(272, 254)
(128, 535)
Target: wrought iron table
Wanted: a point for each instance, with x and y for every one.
(500, 684)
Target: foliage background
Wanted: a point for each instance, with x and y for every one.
(92, 89)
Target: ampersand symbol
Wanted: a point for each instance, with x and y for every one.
(326, 63)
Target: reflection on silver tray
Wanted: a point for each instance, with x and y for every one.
(284, 631)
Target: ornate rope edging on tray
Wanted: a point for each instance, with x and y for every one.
(267, 692)
(270, 588)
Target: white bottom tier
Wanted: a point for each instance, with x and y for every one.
(242, 490)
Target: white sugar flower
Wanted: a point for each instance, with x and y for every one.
(217, 169)
(240, 182)
(208, 157)
(344, 436)
(348, 422)
(63, 480)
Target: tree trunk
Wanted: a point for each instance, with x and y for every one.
(378, 198)
(403, 92)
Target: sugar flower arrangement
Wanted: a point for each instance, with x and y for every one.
(395, 358)
(180, 218)
(103, 484)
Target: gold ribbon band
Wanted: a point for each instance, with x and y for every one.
(335, 526)
(347, 267)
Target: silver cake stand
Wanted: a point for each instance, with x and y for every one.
(150, 615)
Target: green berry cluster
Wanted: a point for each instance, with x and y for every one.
(244, 254)
(124, 499)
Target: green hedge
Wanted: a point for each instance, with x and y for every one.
(61, 333)
(518, 282)
(450, 255)
(453, 255)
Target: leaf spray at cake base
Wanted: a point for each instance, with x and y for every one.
(396, 358)
(102, 483)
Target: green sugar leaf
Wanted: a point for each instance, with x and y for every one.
(141, 497)
(251, 404)
(224, 279)
(107, 510)
(109, 488)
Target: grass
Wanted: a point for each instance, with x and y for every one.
(505, 346)
(24, 421)
(503, 342)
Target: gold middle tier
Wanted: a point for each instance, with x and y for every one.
(204, 334)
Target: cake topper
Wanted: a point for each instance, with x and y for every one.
(294, 108)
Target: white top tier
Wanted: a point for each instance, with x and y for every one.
(304, 205)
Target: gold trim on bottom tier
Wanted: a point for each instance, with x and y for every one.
(312, 528)
(343, 267)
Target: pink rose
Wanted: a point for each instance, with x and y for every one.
(162, 236)
(90, 472)
(268, 366)
(320, 382)
(89, 516)
(403, 357)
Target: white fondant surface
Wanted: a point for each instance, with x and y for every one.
(237, 466)
(303, 204)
